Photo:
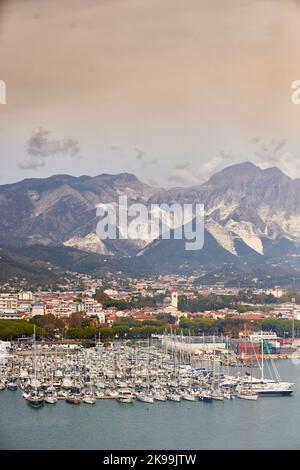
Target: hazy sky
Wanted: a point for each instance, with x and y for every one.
(171, 90)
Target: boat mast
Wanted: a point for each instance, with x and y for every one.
(34, 355)
(293, 323)
(262, 355)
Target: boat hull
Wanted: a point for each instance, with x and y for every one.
(124, 400)
(247, 397)
(272, 393)
(146, 399)
(35, 403)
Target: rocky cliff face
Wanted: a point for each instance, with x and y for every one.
(247, 210)
(62, 209)
(243, 202)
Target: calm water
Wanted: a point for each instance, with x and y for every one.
(269, 423)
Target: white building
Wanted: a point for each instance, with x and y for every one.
(100, 315)
(263, 335)
(8, 301)
(38, 308)
(277, 292)
(112, 293)
(287, 310)
(25, 295)
(193, 344)
(9, 315)
(90, 306)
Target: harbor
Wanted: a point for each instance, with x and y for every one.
(144, 394)
(152, 371)
(268, 423)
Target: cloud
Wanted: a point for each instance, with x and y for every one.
(41, 145)
(270, 152)
(141, 156)
(31, 165)
(152, 181)
(274, 153)
(184, 174)
(182, 166)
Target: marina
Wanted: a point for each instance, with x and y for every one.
(142, 371)
(267, 423)
(139, 395)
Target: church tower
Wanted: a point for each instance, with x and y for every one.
(174, 301)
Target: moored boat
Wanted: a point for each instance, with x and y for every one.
(174, 397)
(73, 399)
(145, 398)
(35, 400)
(125, 396)
(12, 386)
(89, 399)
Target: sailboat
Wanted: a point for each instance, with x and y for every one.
(34, 399)
(89, 397)
(146, 396)
(205, 395)
(160, 396)
(51, 396)
(269, 387)
(246, 392)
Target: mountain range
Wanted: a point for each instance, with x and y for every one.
(252, 219)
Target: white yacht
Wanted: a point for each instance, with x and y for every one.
(174, 397)
(89, 399)
(188, 396)
(246, 393)
(125, 396)
(273, 388)
(158, 396)
(145, 398)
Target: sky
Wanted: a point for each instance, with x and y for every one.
(170, 90)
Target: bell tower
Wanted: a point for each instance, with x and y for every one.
(174, 301)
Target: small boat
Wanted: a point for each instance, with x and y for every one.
(13, 386)
(61, 395)
(89, 399)
(160, 397)
(112, 394)
(174, 397)
(246, 393)
(188, 397)
(51, 400)
(216, 395)
(145, 398)
(35, 401)
(228, 396)
(73, 399)
(125, 396)
(205, 396)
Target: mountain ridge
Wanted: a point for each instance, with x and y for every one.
(248, 212)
